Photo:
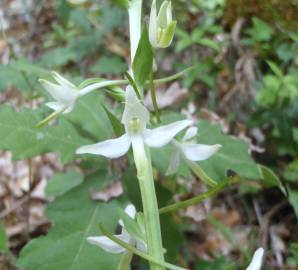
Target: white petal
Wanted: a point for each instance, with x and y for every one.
(190, 133)
(62, 81)
(130, 210)
(56, 106)
(161, 136)
(174, 163)
(134, 109)
(256, 262)
(111, 148)
(62, 94)
(197, 152)
(107, 244)
(153, 25)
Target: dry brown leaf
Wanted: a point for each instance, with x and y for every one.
(112, 190)
(165, 98)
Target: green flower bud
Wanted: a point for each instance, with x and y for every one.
(161, 26)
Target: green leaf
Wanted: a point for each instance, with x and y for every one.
(143, 60)
(75, 217)
(232, 156)
(277, 71)
(115, 122)
(122, 3)
(63, 9)
(90, 118)
(293, 198)
(291, 172)
(109, 65)
(219, 264)
(11, 77)
(63, 182)
(269, 177)
(3, 239)
(261, 31)
(19, 134)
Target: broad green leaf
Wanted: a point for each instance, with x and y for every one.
(63, 182)
(11, 77)
(232, 156)
(143, 60)
(75, 217)
(19, 134)
(90, 118)
(109, 65)
(3, 239)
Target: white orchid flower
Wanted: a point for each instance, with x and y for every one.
(189, 150)
(256, 262)
(110, 246)
(135, 119)
(65, 93)
(162, 26)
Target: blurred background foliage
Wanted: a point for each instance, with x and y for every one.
(245, 78)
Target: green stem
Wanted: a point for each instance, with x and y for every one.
(173, 77)
(195, 200)
(125, 261)
(153, 97)
(149, 200)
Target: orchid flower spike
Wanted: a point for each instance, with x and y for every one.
(189, 150)
(256, 262)
(110, 246)
(135, 119)
(162, 26)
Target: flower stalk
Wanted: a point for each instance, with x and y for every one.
(150, 208)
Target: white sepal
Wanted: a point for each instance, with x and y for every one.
(134, 109)
(198, 152)
(190, 134)
(256, 262)
(161, 136)
(107, 244)
(113, 148)
(64, 95)
(174, 162)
